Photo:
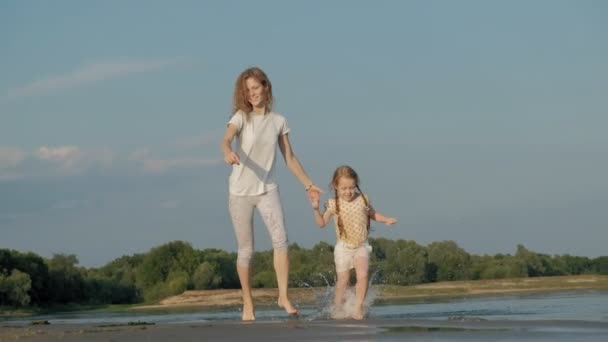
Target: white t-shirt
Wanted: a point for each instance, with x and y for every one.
(257, 141)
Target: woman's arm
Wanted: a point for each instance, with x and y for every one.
(293, 164)
(230, 157)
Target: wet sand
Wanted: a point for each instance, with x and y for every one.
(300, 329)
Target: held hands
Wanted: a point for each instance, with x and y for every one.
(232, 158)
(315, 203)
(313, 193)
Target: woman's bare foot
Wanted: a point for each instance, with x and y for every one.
(286, 304)
(248, 313)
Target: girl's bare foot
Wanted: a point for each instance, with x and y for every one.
(286, 304)
(338, 312)
(248, 314)
(358, 313)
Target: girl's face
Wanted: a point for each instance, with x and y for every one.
(256, 93)
(347, 188)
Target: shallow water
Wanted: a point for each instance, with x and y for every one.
(581, 306)
(556, 317)
(588, 306)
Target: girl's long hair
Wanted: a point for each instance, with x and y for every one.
(240, 99)
(349, 172)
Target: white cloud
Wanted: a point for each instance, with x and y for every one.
(89, 74)
(164, 165)
(58, 154)
(71, 160)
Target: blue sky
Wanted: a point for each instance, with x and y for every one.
(481, 122)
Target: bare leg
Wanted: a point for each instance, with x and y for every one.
(341, 286)
(271, 210)
(281, 267)
(245, 278)
(361, 268)
(241, 212)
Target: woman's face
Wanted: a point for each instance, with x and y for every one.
(256, 92)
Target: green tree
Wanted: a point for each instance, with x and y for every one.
(264, 279)
(157, 264)
(156, 292)
(66, 280)
(123, 269)
(14, 288)
(576, 264)
(101, 290)
(322, 256)
(177, 282)
(601, 264)
(206, 276)
(530, 261)
(495, 267)
(449, 261)
(311, 267)
(379, 248)
(226, 263)
(405, 263)
(34, 266)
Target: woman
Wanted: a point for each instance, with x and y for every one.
(252, 183)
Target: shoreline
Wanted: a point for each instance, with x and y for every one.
(384, 293)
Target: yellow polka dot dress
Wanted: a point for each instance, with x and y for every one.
(354, 216)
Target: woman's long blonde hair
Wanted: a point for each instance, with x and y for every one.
(348, 172)
(240, 100)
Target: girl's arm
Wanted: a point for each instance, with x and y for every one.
(293, 164)
(320, 219)
(230, 157)
(376, 216)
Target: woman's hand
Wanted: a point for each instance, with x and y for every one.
(232, 158)
(314, 193)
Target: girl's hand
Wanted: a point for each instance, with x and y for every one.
(315, 204)
(232, 158)
(390, 221)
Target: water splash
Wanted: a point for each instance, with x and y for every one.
(324, 300)
(348, 309)
(323, 296)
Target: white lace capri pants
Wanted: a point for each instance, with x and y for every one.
(241, 212)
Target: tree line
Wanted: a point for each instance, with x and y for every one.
(29, 280)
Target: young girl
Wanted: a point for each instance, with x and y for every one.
(352, 211)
